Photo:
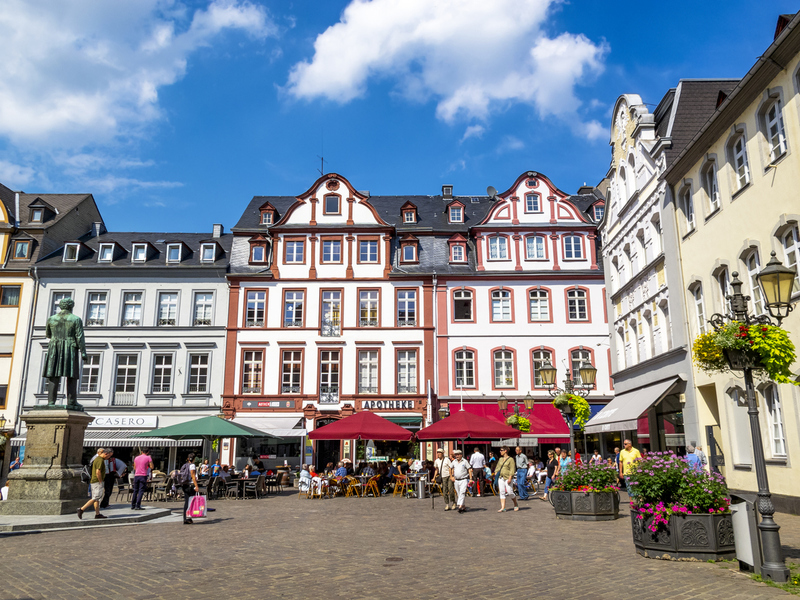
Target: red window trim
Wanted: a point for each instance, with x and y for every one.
(331, 238)
(452, 304)
(302, 351)
(533, 212)
(397, 352)
(514, 363)
(286, 239)
(525, 248)
(367, 238)
(592, 359)
(588, 318)
(549, 302)
(241, 371)
(511, 300)
(563, 237)
(508, 247)
(455, 388)
(332, 195)
(553, 362)
(359, 350)
(397, 304)
(283, 306)
(358, 305)
(245, 291)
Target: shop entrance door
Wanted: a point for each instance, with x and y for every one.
(327, 451)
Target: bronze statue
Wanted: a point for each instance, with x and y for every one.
(65, 332)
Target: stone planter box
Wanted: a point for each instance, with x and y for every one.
(692, 537)
(586, 506)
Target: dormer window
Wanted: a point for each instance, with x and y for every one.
(408, 249)
(207, 253)
(37, 215)
(106, 253)
(71, 252)
(447, 191)
(409, 216)
(458, 253)
(455, 212)
(266, 217)
(139, 253)
(332, 205)
(258, 254)
(173, 253)
(533, 203)
(599, 211)
(22, 249)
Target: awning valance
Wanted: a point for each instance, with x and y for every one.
(623, 412)
(283, 427)
(121, 438)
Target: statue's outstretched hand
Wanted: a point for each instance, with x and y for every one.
(84, 356)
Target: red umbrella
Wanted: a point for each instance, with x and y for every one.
(464, 425)
(362, 426)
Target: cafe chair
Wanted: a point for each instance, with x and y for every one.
(231, 489)
(254, 487)
(354, 487)
(401, 487)
(372, 488)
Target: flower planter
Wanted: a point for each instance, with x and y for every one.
(739, 360)
(586, 506)
(687, 537)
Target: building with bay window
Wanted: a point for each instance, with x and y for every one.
(154, 308)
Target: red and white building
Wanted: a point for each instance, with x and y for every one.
(341, 301)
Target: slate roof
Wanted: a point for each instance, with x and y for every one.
(693, 106)
(157, 240)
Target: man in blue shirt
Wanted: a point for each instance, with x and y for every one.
(340, 470)
(694, 461)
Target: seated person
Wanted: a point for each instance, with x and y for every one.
(305, 479)
(246, 472)
(402, 467)
(348, 465)
(225, 473)
(368, 470)
(341, 471)
(329, 470)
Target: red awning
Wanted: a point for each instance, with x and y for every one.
(546, 420)
(463, 425)
(364, 425)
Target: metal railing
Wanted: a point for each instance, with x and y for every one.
(251, 390)
(202, 387)
(406, 389)
(124, 399)
(130, 322)
(254, 323)
(166, 322)
(330, 329)
(368, 389)
(89, 388)
(163, 388)
(290, 389)
(368, 322)
(202, 321)
(329, 394)
(95, 322)
(292, 323)
(407, 323)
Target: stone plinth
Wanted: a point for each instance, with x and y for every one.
(49, 481)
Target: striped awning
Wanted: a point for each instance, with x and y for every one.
(122, 438)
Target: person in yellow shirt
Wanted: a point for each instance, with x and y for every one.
(627, 457)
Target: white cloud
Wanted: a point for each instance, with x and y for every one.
(595, 131)
(15, 176)
(89, 71)
(473, 131)
(111, 183)
(510, 143)
(471, 56)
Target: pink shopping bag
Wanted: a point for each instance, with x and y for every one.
(197, 507)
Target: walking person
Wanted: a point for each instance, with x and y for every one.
(551, 466)
(477, 461)
(702, 456)
(114, 468)
(692, 459)
(596, 458)
(522, 473)
(505, 477)
(188, 479)
(627, 457)
(460, 475)
(441, 469)
(563, 463)
(142, 464)
(96, 484)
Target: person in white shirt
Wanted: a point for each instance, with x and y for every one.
(114, 468)
(477, 461)
(460, 475)
(441, 468)
(596, 458)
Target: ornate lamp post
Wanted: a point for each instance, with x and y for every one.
(502, 404)
(776, 282)
(588, 375)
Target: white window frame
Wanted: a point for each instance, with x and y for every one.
(262, 250)
(578, 305)
(533, 203)
(503, 372)
(710, 183)
(255, 308)
(774, 131)
(538, 360)
(331, 312)
(687, 205)
(291, 371)
(464, 368)
(535, 247)
(199, 373)
(777, 431)
(790, 240)
(90, 374)
(463, 296)
(406, 308)
(163, 373)
(71, 252)
(501, 306)
(126, 370)
(328, 247)
(212, 248)
(102, 250)
(573, 247)
(409, 253)
(203, 309)
(409, 216)
(498, 247)
(296, 300)
(577, 357)
(699, 308)
(295, 251)
(57, 297)
(741, 166)
(368, 306)
(167, 307)
(172, 248)
(599, 212)
(368, 371)
(752, 263)
(135, 256)
(723, 286)
(266, 217)
(252, 371)
(330, 374)
(129, 300)
(98, 300)
(371, 247)
(458, 253)
(407, 371)
(539, 305)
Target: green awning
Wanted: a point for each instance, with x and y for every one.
(211, 427)
(405, 421)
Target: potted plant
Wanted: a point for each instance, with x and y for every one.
(678, 512)
(586, 492)
(520, 423)
(736, 345)
(572, 404)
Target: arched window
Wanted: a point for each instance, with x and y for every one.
(573, 247)
(498, 248)
(503, 369)
(539, 301)
(753, 265)
(535, 247)
(501, 305)
(631, 176)
(579, 357)
(699, 308)
(737, 150)
(687, 207)
(723, 287)
(790, 241)
(577, 305)
(773, 130)
(623, 184)
(777, 436)
(465, 368)
(462, 306)
(710, 186)
(539, 359)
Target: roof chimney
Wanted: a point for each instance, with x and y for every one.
(97, 229)
(217, 230)
(447, 191)
(16, 210)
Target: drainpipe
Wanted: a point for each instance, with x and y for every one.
(26, 355)
(16, 210)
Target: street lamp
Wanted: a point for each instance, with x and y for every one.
(776, 282)
(502, 404)
(444, 412)
(2, 423)
(588, 375)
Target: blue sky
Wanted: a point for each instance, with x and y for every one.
(175, 114)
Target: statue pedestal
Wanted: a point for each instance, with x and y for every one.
(49, 482)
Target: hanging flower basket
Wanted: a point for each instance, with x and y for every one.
(520, 423)
(766, 349)
(574, 405)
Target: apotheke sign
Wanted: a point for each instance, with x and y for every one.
(126, 422)
(388, 404)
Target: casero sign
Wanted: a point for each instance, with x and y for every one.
(388, 404)
(126, 422)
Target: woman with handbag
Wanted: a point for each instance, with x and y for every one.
(188, 480)
(505, 472)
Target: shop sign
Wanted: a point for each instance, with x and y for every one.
(126, 422)
(268, 456)
(268, 404)
(388, 404)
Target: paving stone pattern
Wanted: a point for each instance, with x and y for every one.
(284, 547)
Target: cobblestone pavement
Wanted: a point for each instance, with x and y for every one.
(286, 547)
